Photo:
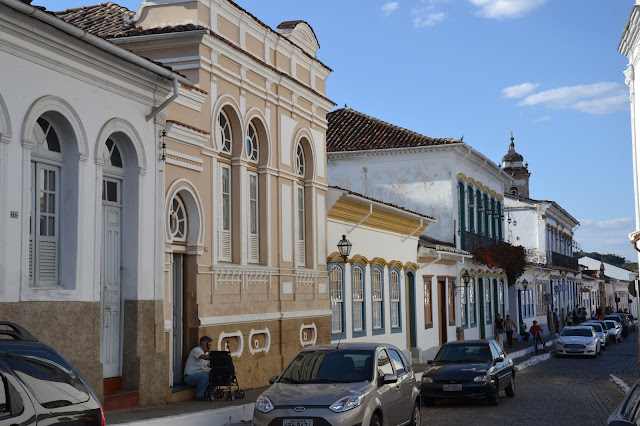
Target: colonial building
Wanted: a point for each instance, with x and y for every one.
(552, 278)
(615, 283)
(244, 209)
(81, 185)
(443, 178)
(372, 290)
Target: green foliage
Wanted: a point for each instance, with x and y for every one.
(511, 259)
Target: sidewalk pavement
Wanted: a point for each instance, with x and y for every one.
(221, 412)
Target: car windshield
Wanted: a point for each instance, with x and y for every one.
(584, 332)
(329, 366)
(610, 324)
(596, 327)
(464, 353)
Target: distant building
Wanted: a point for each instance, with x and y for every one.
(442, 178)
(546, 231)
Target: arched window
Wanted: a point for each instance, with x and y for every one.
(252, 143)
(472, 303)
(494, 217)
(471, 206)
(44, 214)
(358, 299)
(252, 147)
(300, 206)
(500, 219)
(111, 154)
(488, 314)
(224, 133)
(377, 299)
(177, 220)
(337, 300)
(479, 210)
(462, 229)
(487, 214)
(394, 297)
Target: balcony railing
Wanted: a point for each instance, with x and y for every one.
(563, 261)
(473, 241)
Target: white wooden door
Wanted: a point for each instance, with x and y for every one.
(176, 317)
(110, 350)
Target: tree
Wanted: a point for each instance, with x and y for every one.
(511, 259)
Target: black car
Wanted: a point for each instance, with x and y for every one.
(38, 386)
(468, 369)
(628, 411)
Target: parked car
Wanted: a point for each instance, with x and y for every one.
(468, 369)
(38, 386)
(615, 317)
(345, 384)
(578, 340)
(601, 331)
(628, 411)
(615, 331)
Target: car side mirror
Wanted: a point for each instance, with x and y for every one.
(389, 378)
(429, 361)
(272, 379)
(498, 359)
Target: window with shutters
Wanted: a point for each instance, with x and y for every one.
(452, 304)
(487, 302)
(464, 302)
(428, 306)
(394, 297)
(358, 299)
(224, 233)
(337, 300)
(472, 303)
(44, 213)
(377, 299)
(300, 206)
(253, 243)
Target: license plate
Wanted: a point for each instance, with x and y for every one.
(297, 422)
(574, 350)
(451, 388)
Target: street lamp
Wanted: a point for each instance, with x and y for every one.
(344, 247)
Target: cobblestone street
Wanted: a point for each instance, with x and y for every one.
(564, 391)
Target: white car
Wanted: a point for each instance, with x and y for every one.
(601, 331)
(578, 340)
(615, 331)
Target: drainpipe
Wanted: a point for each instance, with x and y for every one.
(166, 102)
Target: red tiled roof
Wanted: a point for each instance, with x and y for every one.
(382, 202)
(178, 123)
(104, 20)
(351, 130)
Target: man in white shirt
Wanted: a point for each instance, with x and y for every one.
(194, 370)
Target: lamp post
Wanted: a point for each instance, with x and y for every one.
(344, 248)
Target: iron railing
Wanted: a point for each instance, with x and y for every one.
(473, 241)
(563, 261)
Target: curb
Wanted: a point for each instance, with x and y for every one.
(621, 384)
(218, 416)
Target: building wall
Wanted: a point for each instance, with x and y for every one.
(85, 106)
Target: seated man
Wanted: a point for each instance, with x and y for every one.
(194, 370)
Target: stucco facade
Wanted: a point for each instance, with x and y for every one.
(80, 185)
(244, 209)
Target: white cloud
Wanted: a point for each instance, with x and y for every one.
(501, 9)
(519, 91)
(607, 237)
(389, 7)
(427, 15)
(597, 98)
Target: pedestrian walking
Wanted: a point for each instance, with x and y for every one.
(556, 320)
(625, 326)
(510, 328)
(498, 327)
(536, 332)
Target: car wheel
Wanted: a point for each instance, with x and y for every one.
(415, 416)
(511, 389)
(375, 420)
(493, 398)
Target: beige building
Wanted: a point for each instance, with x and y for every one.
(245, 201)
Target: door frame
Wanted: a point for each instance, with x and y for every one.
(442, 310)
(413, 335)
(178, 289)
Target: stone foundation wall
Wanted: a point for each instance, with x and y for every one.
(71, 328)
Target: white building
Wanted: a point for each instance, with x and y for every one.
(443, 178)
(615, 288)
(546, 231)
(81, 188)
(373, 294)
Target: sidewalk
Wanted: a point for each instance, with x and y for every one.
(221, 412)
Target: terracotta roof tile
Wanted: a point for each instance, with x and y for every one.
(104, 20)
(351, 130)
(178, 123)
(382, 202)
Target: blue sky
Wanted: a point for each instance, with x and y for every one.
(546, 70)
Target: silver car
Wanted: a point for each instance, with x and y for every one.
(577, 340)
(342, 384)
(602, 333)
(615, 331)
